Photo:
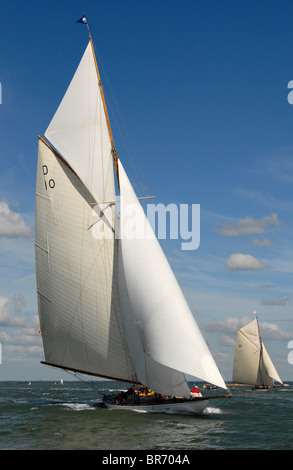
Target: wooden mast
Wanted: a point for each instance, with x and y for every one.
(114, 152)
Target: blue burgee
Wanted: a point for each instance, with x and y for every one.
(82, 20)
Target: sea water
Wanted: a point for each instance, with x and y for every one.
(52, 416)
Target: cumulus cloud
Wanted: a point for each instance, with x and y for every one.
(4, 338)
(6, 318)
(249, 226)
(18, 302)
(230, 325)
(240, 261)
(272, 331)
(228, 341)
(12, 223)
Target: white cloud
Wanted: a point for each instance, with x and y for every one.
(240, 261)
(228, 325)
(4, 338)
(22, 354)
(18, 302)
(23, 344)
(272, 331)
(257, 242)
(25, 336)
(12, 223)
(231, 325)
(249, 226)
(6, 318)
(228, 341)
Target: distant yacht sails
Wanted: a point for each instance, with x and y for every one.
(252, 364)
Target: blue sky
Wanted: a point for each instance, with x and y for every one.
(202, 90)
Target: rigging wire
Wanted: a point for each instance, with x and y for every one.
(77, 376)
(142, 182)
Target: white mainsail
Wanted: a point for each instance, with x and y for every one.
(77, 289)
(108, 306)
(252, 364)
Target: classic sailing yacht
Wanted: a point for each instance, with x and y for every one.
(252, 364)
(109, 304)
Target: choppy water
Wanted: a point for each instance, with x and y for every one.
(47, 416)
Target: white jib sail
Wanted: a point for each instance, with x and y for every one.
(269, 366)
(166, 327)
(155, 376)
(79, 131)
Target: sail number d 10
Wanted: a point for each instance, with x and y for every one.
(51, 182)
